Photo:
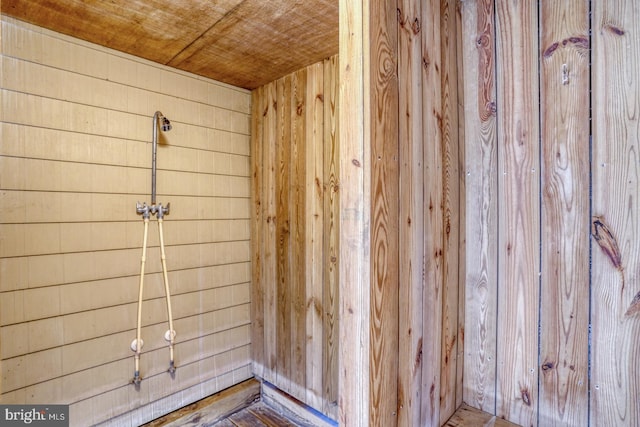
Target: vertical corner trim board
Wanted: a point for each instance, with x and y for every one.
(355, 197)
(383, 232)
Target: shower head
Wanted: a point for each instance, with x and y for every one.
(165, 124)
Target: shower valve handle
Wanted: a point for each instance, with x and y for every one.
(143, 209)
(160, 210)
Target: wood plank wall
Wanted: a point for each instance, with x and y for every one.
(429, 378)
(401, 212)
(551, 149)
(539, 172)
(295, 225)
(75, 157)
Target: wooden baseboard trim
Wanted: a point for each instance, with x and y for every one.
(213, 408)
(292, 408)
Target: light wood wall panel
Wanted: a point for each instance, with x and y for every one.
(462, 210)
(552, 306)
(295, 251)
(411, 223)
(451, 340)
(355, 200)
(518, 211)
(383, 232)
(75, 128)
(480, 177)
(285, 228)
(314, 192)
(615, 374)
(564, 317)
(432, 207)
(331, 228)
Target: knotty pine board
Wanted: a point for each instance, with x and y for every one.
(615, 373)
(450, 213)
(518, 212)
(383, 362)
(313, 146)
(283, 220)
(355, 199)
(432, 211)
(257, 229)
(411, 224)
(564, 127)
(269, 225)
(462, 210)
(298, 217)
(331, 238)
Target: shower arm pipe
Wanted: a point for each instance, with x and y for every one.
(153, 156)
(166, 126)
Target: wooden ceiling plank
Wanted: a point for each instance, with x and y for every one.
(259, 42)
(246, 43)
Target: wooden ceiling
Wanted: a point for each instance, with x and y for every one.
(246, 43)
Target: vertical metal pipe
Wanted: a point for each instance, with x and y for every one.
(153, 157)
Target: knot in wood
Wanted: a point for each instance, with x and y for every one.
(416, 26)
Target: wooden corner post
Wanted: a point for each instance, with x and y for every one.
(354, 218)
(368, 105)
